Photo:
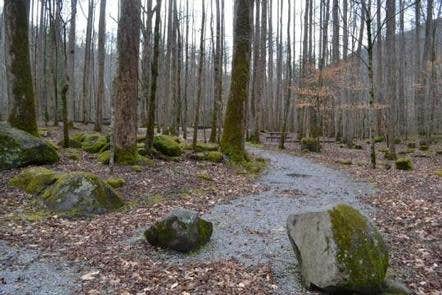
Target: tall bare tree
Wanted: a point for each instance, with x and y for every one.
(126, 82)
(101, 60)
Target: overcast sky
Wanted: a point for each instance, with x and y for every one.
(195, 6)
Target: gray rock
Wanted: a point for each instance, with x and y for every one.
(183, 230)
(81, 194)
(339, 250)
(19, 148)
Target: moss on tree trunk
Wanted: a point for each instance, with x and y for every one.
(232, 142)
(20, 90)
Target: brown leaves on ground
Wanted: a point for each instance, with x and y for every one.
(408, 204)
(114, 257)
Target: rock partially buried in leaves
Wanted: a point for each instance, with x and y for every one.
(19, 149)
(81, 194)
(339, 251)
(183, 230)
(168, 145)
(404, 164)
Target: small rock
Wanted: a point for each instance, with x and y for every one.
(183, 230)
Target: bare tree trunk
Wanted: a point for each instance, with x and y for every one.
(126, 83)
(217, 73)
(150, 130)
(20, 90)
(71, 62)
(86, 95)
(391, 74)
(200, 79)
(335, 41)
(232, 142)
(101, 57)
(289, 80)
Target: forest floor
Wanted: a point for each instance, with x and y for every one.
(408, 207)
(107, 254)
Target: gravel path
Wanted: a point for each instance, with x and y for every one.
(252, 230)
(26, 271)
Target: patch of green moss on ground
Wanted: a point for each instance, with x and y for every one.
(116, 182)
(204, 176)
(34, 180)
(363, 256)
(130, 157)
(168, 145)
(345, 162)
(72, 154)
(404, 164)
(104, 157)
(253, 166)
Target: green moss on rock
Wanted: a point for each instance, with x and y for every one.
(404, 164)
(34, 180)
(81, 194)
(168, 145)
(93, 143)
(411, 145)
(204, 147)
(361, 251)
(439, 173)
(116, 182)
(18, 149)
(182, 230)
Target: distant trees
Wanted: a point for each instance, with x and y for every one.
(126, 82)
(20, 87)
(232, 142)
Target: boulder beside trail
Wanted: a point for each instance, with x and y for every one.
(74, 194)
(79, 194)
(19, 148)
(339, 251)
(183, 230)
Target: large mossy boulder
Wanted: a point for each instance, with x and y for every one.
(168, 145)
(34, 180)
(339, 251)
(19, 149)
(183, 230)
(81, 194)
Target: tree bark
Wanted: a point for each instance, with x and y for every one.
(126, 82)
(101, 60)
(232, 143)
(20, 89)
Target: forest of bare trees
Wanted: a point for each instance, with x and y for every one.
(311, 77)
(349, 70)
(132, 130)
